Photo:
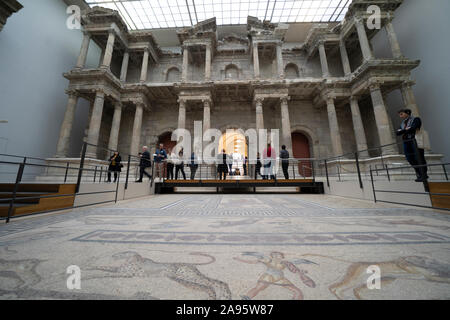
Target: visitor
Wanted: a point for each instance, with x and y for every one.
(179, 164)
(193, 165)
(144, 163)
(258, 167)
(160, 158)
(114, 166)
(245, 165)
(222, 167)
(230, 164)
(284, 155)
(170, 164)
(413, 143)
(268, 162)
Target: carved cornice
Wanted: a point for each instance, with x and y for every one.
(7, 9)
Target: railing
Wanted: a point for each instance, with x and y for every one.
(426, 187)
(38, 170)
(355, 166)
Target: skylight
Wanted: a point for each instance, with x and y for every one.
(157, 14)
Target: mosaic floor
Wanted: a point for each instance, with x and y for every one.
(213, 246)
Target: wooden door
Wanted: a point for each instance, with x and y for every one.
(301, 149)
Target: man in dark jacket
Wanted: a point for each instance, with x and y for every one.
(144, 164)
(193, 165)
(284, 155)
(414, 154)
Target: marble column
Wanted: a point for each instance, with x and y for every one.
(335, 134)
(358, 127)
(409, 101)
(363, 40)
(259, 114)
(280, 61)
(81, 62)
(185, 67)
(124, 70)
(109, 50)
(144, 69)
(208, 63)
(182, 114)
(206, 115)
(344, 58)
(395, 47)
(256, 61)
(323, 60)
(115, 127)
(286, 124)
(94, 125)
(62, 148)
(385, 131)
(137, 125)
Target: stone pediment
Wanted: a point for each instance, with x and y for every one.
(203, 30)
(265, 29)
(233, 42)
(100, 15)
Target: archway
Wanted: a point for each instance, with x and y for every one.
(173, 75)
(166, 139)
(231, 72)
(301, 150)
(291, 71)
(235, 144)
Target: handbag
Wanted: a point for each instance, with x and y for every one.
(420, 139)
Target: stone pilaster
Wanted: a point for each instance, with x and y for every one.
(182, 114)
(115, 127)
(344, 58)
(206, 115)
(358, 127)
(81, 62)
(286, 124)
(62, 147)
(94, 125)
(109, 50)
(208, 59)
(259, 114)
(124, 70)
(185, 67)
(335, 134)
(144, 68)
(137, 125)
(256, 61)
(385, 131)
(395, 47)
(363, 40)
(409, 101)
(280, 61)
(323, 60)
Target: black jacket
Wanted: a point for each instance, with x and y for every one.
(145, 160)
(115, 166)
(411, 132)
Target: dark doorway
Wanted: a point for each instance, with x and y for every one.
(301, 149)
(165, 139)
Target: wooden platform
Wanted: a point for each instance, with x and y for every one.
(440, 201)
(28, 202)
(303, 185)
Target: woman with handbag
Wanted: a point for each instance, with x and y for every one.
(114, 166)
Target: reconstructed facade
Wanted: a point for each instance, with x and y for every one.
(330, 89)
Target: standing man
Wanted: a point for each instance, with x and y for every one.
(160, 161)
(144, 164)
(413, 148)
(284, 155)
(193, 165)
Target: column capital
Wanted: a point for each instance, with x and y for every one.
(118, 104)
(358, 20)
(182, 102)
(100, 93)
(354, 98)
(259, 100)
(408, 83)
(72, 93)
(321, 42)
(207, 102)
(374, 86)
(285, 99)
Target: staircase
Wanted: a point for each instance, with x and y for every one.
(26, 198)
(440, 201)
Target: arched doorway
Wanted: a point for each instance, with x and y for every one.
(235, 144)
(166, 139)
(301, 149)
